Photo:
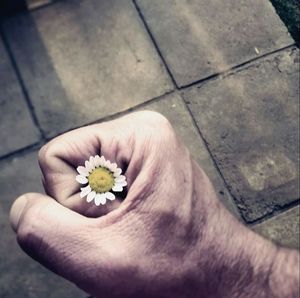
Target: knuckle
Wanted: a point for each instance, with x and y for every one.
(45, 153)
(157, 121)
(155, 117)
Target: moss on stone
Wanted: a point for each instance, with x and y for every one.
(289, 12)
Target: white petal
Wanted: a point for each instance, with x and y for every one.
(81, 179)
(91, 196)
(117, 188)
(97, 161)
(89, 166)
(113, 167)
(97, 199)
(107, 164)
(110, 196)
(91, 160)
(85, 190)
(117, 172)
(122, 183)
(82, 171)
(102, 199)
(121, 178)
(102, 161)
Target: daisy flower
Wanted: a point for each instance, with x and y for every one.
(100, 178)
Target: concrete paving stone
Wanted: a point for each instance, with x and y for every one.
(94, 60)
(199, 38)
(173, 107)
(17, 129)
(34, 4)
(250, 121)
(20, 276)
(282, 229)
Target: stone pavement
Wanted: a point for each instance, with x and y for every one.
(225, 73)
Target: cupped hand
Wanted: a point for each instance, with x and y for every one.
(167, 238)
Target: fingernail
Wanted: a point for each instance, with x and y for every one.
(16, 211)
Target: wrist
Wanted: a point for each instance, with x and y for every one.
(233, 261)
(238, 263)
(284, 277)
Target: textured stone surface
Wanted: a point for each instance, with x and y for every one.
(173, 107)
(33, 4)
(201, 38)
(16, 126)
(94, 60)
(250, 121)
(282, 229)
(20, 276)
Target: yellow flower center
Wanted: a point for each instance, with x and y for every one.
(101, 180)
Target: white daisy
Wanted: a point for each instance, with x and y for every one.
(100, 178)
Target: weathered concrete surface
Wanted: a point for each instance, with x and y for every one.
(20, 276)
(282, 229)
(17, 129)
(94, 60)
(33, 4)
(173, 107)
(200, 38)
(84, 60)
(250, 121)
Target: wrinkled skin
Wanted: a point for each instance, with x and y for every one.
(170, 237)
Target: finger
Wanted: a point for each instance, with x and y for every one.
(59, 160)
(128, 141)
(55, 236)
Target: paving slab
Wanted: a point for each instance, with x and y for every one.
(95, 60)
(34, 4)
(173, 107)
(283, 229)
(20, 276)
(250, 122)
(200, 38)
(17, 129)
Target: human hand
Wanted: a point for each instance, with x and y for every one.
(170, 237)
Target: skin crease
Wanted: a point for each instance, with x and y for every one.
(170, 237)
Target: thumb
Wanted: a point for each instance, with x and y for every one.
(53, 235)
